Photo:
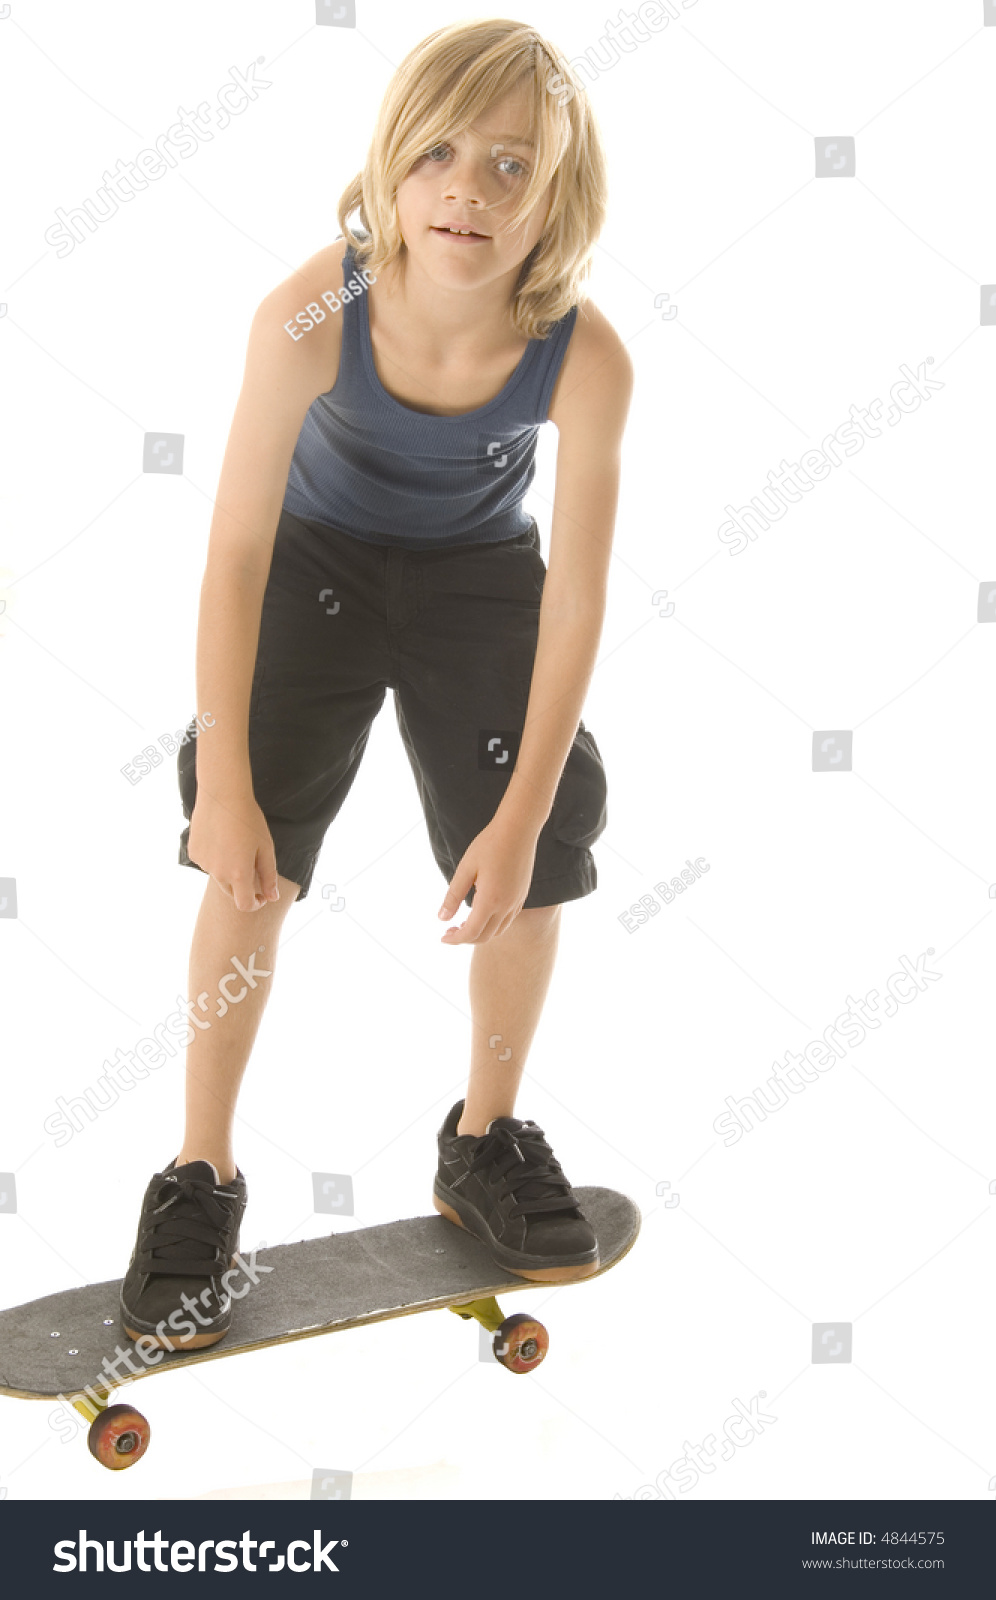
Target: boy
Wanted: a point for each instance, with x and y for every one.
(369, 534)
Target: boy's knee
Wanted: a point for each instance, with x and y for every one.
(539, 917)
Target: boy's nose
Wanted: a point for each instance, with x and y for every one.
(466, 191)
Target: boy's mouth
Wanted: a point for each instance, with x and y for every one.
(460, 233)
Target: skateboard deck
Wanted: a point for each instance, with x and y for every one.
(56, 1347)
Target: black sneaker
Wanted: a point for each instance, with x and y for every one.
(508, 1189)
(187, 1240)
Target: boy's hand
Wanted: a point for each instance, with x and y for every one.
(500, 862)
(230, 839)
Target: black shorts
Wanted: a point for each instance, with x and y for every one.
(452, 630)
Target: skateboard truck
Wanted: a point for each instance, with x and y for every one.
(520, 1342)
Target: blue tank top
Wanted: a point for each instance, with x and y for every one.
(374, 468)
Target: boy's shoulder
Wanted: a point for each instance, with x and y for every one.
(302, 305)
(321, 271)
(594, 349)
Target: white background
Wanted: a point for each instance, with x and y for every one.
(865, 1199)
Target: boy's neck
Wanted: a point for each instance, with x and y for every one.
(474, 319)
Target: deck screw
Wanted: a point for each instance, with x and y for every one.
(55, 1335)
(74, 1352)
(108, 1322)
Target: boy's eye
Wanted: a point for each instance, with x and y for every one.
(502, 160)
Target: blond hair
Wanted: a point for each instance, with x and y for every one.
(441, 87)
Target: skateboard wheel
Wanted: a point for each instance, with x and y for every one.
(520, 1343)
(119, 1437)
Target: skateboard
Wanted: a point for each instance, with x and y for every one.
(60, 1347)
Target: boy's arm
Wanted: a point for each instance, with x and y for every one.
(590, 415)
(282, 377)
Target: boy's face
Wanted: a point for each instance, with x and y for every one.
(472, 180)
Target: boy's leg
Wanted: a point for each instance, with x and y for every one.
(509, 979)
(217, 1055)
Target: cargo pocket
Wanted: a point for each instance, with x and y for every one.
(521, 570)
(185, 772)
(259, 673)
(580, 809)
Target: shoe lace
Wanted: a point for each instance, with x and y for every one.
(181, 1229)
(523, 1161)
